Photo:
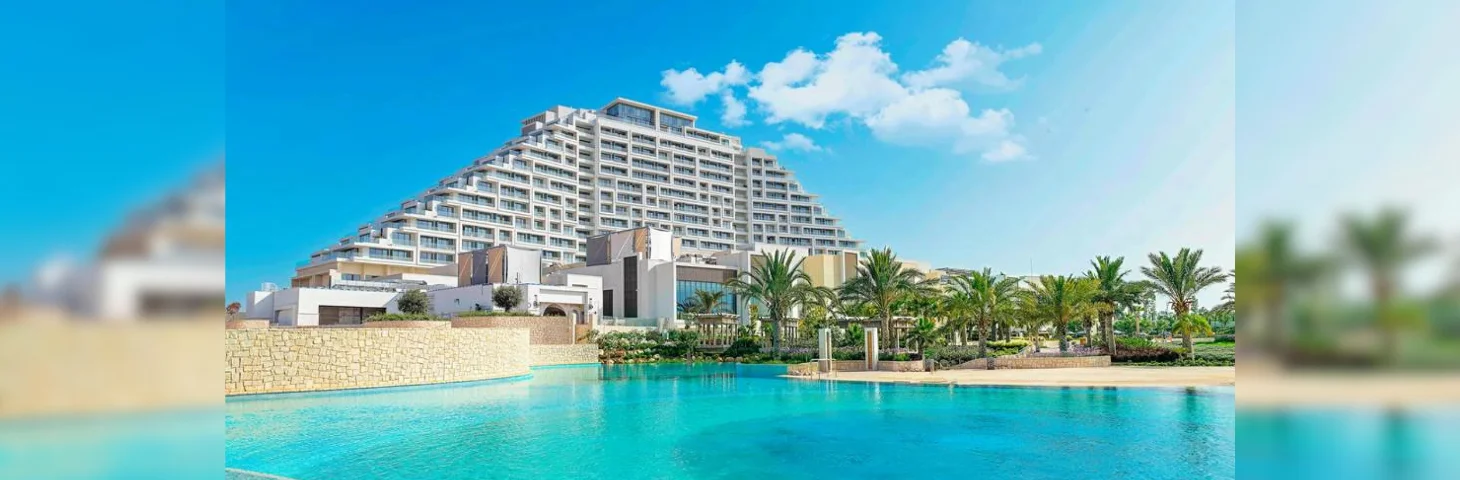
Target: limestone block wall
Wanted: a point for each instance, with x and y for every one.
(275, 360)
(1002, 363)
(545, 330)
(564, 354)
(908, 366)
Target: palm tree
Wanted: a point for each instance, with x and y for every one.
(780, 285)
(923, 333)
(1059, 299)
(1027, 315)
(855, 333)
(1179, 279)
(987, 298)
(959, 303)
(706, 301)
(1112, 293)
(1146, 304)
(1383, 246)
(1229, 297)
(881, 282)
(1190, 325)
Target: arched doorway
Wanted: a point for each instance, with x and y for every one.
(554, 311)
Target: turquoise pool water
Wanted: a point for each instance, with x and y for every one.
(705, 421)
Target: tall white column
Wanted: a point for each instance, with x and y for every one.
(823, 342)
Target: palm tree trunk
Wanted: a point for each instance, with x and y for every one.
(983, 333)
(776, 337)
(1064, 339)
(1186, 342)
(1109, 332)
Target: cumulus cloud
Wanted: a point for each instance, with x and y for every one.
(794, 142)
(855, 80)
(1005, 151)
(963, 61)
(859, 81)
(734, 115)
(689, 86)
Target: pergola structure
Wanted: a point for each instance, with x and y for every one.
(716, 329)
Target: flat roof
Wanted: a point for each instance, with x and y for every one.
(637, 103)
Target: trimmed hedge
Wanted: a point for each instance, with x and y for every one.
(404, 317)
(1180, 363)
(1144, 355)
(950, 356)
(490, 313)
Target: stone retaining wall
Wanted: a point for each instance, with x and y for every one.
(1003, 363)
(908, 366)
(563, 354)
(246, 323)
(275, 360)
(545, 330)
(849, 365)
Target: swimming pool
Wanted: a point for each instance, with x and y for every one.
(705, 421)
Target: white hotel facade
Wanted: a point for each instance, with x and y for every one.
(575, 173)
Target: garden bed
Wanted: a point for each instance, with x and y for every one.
(407, 324)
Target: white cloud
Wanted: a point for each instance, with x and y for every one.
(1005, 151)
(688, 86)
(795, 142)
(963, 61)
(734, 115)
(855, 79)
(941, 117)
(858, 81)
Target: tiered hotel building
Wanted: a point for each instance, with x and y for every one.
(575, 173)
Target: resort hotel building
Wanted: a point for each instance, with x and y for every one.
(614, 217)
(572, 173)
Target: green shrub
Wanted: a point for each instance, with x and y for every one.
(1134, 343)
(506, 297)
(403, 317)
(958, 354)
(414, 302)
(1016, 343)
(1149, 354)
(742, 347)
(1224, 353)
(1225, 339)
(484, 313)
(1182, 363)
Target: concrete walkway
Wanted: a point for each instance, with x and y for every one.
(1058, 377)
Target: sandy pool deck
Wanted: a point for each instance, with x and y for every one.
(1056, 377)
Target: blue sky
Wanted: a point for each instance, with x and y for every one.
(338, 112)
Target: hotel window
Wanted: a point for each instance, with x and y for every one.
(632, 114)
(674, 123)
(685, 291)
